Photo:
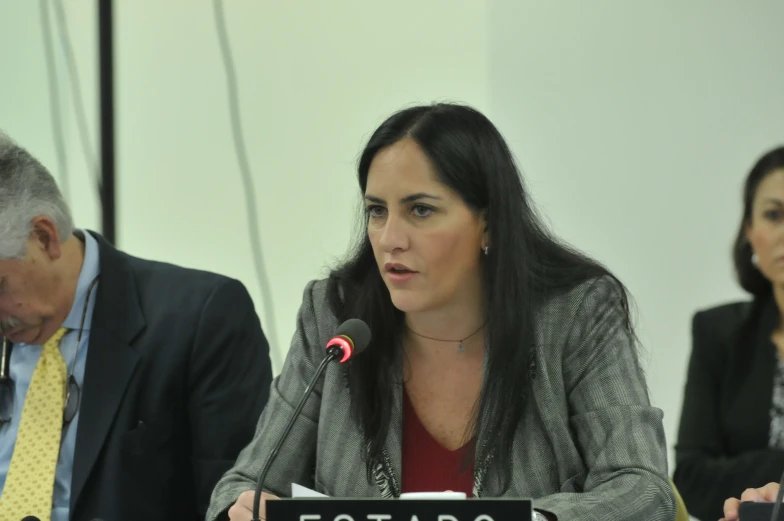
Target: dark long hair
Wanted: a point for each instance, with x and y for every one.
(750, 278)
(525, 266)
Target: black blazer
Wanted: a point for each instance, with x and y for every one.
(177, 374)
(722, 446)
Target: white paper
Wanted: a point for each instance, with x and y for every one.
(300, 491)
(433, 495)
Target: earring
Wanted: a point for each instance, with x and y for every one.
(486, 249)
(755, 259)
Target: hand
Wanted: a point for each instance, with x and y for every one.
(766, 493)
(242, 510)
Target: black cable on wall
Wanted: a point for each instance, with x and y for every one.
(106, 85)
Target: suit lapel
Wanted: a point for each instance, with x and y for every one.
(111, 360)
(110, 364)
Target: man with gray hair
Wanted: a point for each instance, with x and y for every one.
(127, 387)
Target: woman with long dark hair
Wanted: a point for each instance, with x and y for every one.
(732, 423)
(502, 362)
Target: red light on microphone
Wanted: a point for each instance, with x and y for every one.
(345, 344)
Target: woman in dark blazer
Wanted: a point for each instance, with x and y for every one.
(502, 363)
(731, 433)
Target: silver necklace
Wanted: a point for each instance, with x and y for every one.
(460, 346)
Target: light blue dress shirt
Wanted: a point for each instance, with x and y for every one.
(24, 357)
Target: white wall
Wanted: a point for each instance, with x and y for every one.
(634, 123)
(315, 80)
(24, 97)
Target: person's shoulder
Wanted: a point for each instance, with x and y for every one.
(183, 288)
(727, 313)
(565, 312)
(722, 324)
(585, 297)
(157, 273)
(716, 332)
(599, 289)
(316, 302)
(317, 289)
(316, 322)
(171, 276)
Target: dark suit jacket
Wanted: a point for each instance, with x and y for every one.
(177, 374)
(722, 446)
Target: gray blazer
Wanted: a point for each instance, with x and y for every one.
(589, 445)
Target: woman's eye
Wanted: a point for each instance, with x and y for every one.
(421, 210)
(375, 211)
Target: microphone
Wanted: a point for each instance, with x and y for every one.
(351, 338)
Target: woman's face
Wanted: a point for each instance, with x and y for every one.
(427, 242)
(765, 230)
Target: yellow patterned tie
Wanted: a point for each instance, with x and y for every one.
(30, 481)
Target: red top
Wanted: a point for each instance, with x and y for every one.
(429, 467)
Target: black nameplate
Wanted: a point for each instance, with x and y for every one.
(323, 509)
(752, 511)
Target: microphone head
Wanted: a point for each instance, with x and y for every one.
(352, 337)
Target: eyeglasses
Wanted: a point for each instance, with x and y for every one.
(73, 397)
(73, 394)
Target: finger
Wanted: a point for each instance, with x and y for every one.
(246, 499)
(769, 492)
(731, 509)
(238, 512)
(243, 509)
(751, 494)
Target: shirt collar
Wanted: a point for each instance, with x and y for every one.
(90, 270)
